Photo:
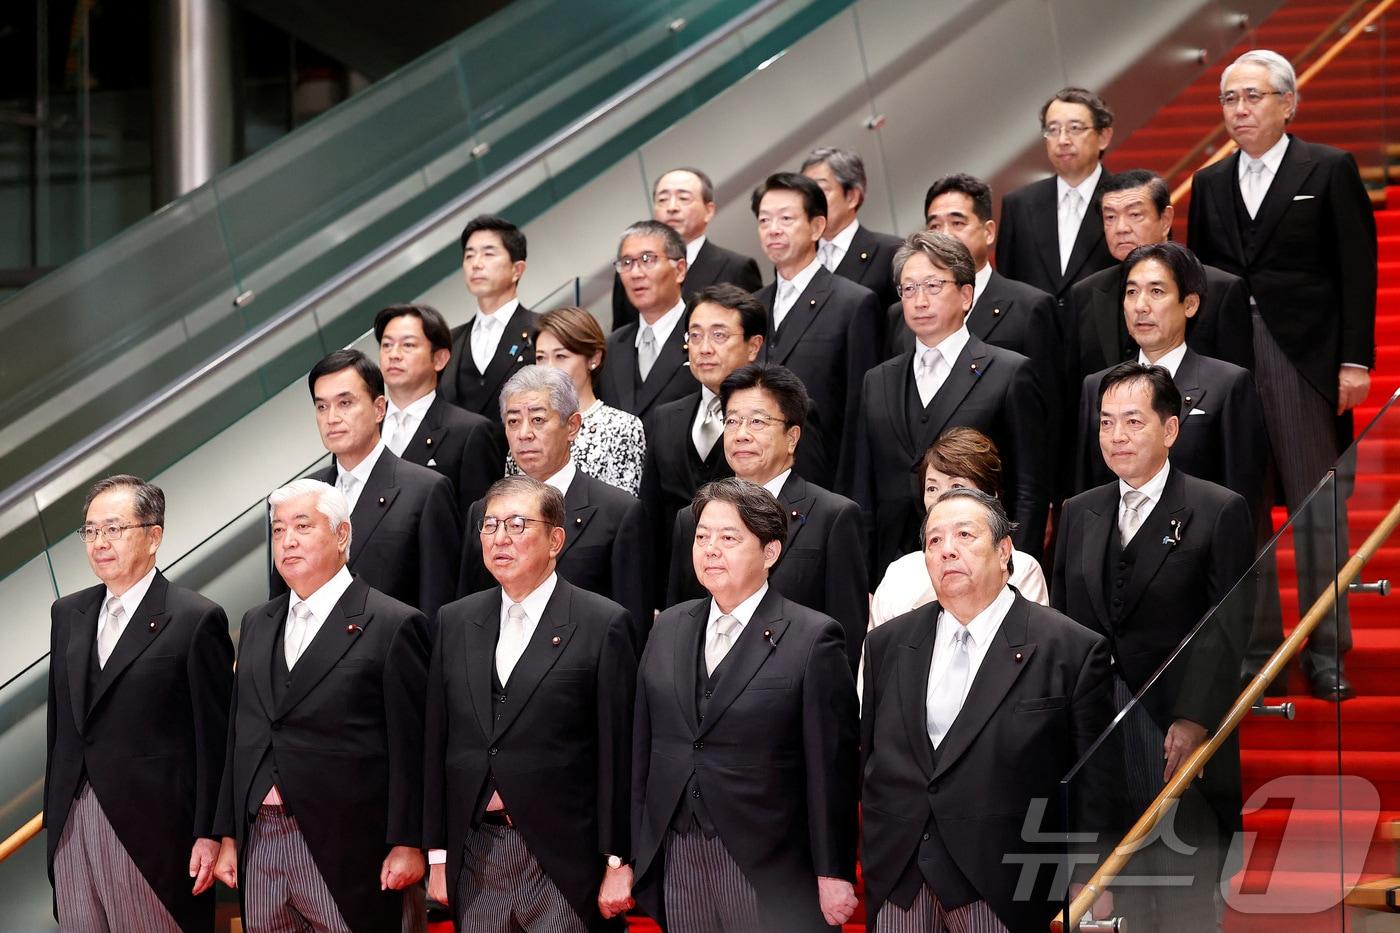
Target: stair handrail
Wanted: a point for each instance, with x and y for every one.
(1186, 773)
(92, 443)
(1325, 59)
(22, 835)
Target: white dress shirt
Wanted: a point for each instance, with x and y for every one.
(320, 604)
(361, 474)
(692, 249)
(1069, 221)
(1152, 489)
(1271, 161)
(130, 602)
(949, 348)
(400, 424)
(742, 613)
(487, 330)
(775, 485)
(832, 251)
(661, 330)
(563, 477)
(789, 290)
(533, 605)
(1170, 361)
(983, 627)
(979, 284)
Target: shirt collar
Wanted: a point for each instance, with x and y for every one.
(534, 603)
(1170, 361)
(1152, 489)
(1085, 187)
(979, 283)
(843, 239)
(563, 477)
(692, 249)
(415, 409)
(131, 599)
(949, 347)
(499, 316)
(1271, 159)
(743, 612)
(804, 278)
(324, 599)
(775, 485)
(661, 330)
(365, 467)
(983, 625)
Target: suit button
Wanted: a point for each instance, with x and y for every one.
(695, 793)
(709, 693)
(501, 698)
(88, 739)
(699, 745)
(926, 837)
(491, 750)
(276, 725)
(1117, 601)
(1119, 583)
(1122, 565)
(702, 717)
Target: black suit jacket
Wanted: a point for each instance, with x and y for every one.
(775, 758)
(713, 264)
(557, 741)
(460, 445)
(829, 339)
(1311, 265)
(149, 738)
(822, 565)
(1222, 438)
(990, 389)
(1028, 240)
(1220, 330)
(1042, 695)
(870, 262)
(668, 380)
(1172, 587)
(606, 550)
(462, 384)
(405, 534)
(347, 738)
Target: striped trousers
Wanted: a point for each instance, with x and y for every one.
(502, 889)
(704, 888)
(927, 915)
(97, 886)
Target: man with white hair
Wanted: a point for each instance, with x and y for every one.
(848, 248)
(1293, 219)
(321, 809)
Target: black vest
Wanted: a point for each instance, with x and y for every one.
(1118, 567)
(1248, 225)
(266, 775)
(914, 409)
(691, 812)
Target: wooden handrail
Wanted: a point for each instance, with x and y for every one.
(1187, 772)
(22, 835)
(1325, 59)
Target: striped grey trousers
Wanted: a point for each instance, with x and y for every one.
(704, 888)
(926, 915)
(501, 888)
(98, 887)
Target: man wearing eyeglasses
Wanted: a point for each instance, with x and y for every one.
(1292, 218)
(606, 546)
(950, 379)
(140, 674)
(528, 734)
(684, 200)
(1051, 234)
(647, 359)
(822, 565)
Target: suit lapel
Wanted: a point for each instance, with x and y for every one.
(1045, 219)
(673, 356)
(912, 664)
(342, 628)
(704, 272)
(757, 641)
(479, 643)
(1188, 383)
(622, 371)
(972, 364)
(1172, 513)
(894, 406)
(259, 647)
(1090, 231)
(81, 636)
(515, 347)
(550, 638)
(991, 309)
(798, 502)
(802, 315)
(375, 501)
(1107, 312)
(1099, 522)
(578, 513)
(429, 437)
(1295, 168)
(858, 255)
(685, 660)
(142, 628)
(1222, 189)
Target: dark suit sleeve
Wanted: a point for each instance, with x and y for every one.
(439, 549)
(404, 683)
(472, 576)
(1031, 467)
(482, 459)
(435, 747)
(1098, 803)
(862, 355)
(747, 276)
(1065, 542)
(1195, 223)
(680, 576)
(1354, 223)
(847, 584)
(632, 572)
(1234, 331)
(209, 669)
(1007, 235)
(226, 814)
(830, 720)
(617, 687)
(641, 747)
(860, 481)
(1086, 436)
(623, 311)
(1245, 442)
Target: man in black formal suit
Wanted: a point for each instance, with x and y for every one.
(950, 379)
(1221, 437)
(529, 734)
(823, 327)
(960, 695)
(684, 200)
(606, 546)
(409, 543)
(744, 769)
(1137, 211)
(848, 248)
(321, 807)
(500, 337)
(422, 427)
(647, 363)
(1293, 219)
(140, 674)
(1051, 234)
(1142, 560)
(822, 565)
(725, 331)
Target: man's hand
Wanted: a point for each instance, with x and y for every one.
(403, 866)
(1353, 385)
(202, 858)
(1183, 738)
(226, 868)
(1102, 908)
(615, 894)
(437, 883)
(838, 899)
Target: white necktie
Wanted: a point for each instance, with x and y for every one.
(646, 352)
(828, 255)
(511, 645)
(929, 374)
(1071, 215)
(111, 631)
(484, 341)
(945, 698)
(720, 642)
(1130, 516)
(347, 483)
(709, 430)
(1252, 186)
(294, 642)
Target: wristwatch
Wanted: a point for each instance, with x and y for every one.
(614, 861)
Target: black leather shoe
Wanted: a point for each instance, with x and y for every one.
(1331, 685)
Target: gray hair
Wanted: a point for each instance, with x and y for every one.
(942, 249)
(555, 383)
(845, 164)
(330, 501)
(674, 245)
(1281, 74)
(998, 523)
(148, 501)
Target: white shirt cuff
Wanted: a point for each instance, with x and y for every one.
(437, 856)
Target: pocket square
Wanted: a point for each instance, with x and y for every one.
(434, 462)
(1304, 197)
(1194, 411)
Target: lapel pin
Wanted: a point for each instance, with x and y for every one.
(578, 521)
(152, 625)
(975, 371)
(381, 500)
(428, 441)
(353, 629)
(1188, 400)
(525, 336)
(864, 256)
(514, 349)
(1174, 538)
(813, 302)
(1020, 657)
(768, 634)
(995, 312)
(555, 641)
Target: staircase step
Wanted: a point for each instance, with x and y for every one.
(1366, 723)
